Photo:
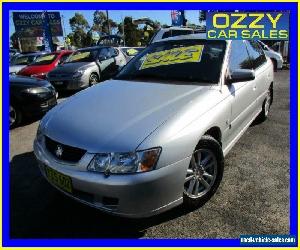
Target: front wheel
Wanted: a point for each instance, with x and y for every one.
(94, 79)
(15, 116)
(263, 115)
(204, 173)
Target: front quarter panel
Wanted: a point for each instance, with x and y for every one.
(179, 136)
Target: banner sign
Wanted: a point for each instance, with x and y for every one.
(247, 25)
(30, 24)
(177, 17)
(47, 36)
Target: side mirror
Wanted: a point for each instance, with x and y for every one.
(240, 75)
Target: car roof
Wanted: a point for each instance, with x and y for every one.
(95, 47)
(176, 28)
(200, 36)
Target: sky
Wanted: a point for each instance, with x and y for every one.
(163, 16)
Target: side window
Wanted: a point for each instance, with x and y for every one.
(104, 54)
(113, 52)
(63, 58)
(239, 57)
(256, 54)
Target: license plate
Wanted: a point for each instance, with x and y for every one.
(58, 83)
(58, 179)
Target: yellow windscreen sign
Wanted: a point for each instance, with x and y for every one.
(173, 56)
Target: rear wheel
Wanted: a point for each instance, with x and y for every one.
(204, 173)
(15, 116)
(94, 79)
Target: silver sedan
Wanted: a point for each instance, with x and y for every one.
(156, 135)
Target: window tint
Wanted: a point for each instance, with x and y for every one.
(256, 54)
(239, 58)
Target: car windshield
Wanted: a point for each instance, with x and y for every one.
(45, 59)
(178, 60)
(83, 56)
(23, 60)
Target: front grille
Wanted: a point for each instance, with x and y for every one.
(63, 152)
(62, 75)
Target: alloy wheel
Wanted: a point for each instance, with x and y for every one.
(201, 174)
(12, 115)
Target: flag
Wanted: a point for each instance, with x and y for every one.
(47, 36)
(177, 17)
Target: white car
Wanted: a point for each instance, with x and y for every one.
(22, 60)
(276, 57)
(170, 32)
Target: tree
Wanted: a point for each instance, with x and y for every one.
(133, 35)
(80, 28)
(78, 22)
(100, 22)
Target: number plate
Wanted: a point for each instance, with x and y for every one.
(60, 180)
(58, 83)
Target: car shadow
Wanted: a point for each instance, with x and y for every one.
(37, 210)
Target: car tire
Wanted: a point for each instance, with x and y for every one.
(202, 180)
(274, 62)
(263, 115)
(15, 116)
(94, 79)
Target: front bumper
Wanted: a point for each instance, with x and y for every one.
(34, 106)
(129, 195)
(69, 83)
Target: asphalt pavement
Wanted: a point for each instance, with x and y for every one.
(253, 197)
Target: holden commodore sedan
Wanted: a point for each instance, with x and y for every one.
(156, 135)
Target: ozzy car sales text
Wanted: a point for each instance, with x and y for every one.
(252, 25)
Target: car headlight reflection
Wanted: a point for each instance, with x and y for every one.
(121, 163)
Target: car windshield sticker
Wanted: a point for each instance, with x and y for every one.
(80, 55)
(131, 52)
(188, 54)
(45, 58)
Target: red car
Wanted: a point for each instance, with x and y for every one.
(45, 63)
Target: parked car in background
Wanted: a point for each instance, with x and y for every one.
(22, 60)
(86, 67)
(130, 52)
(276, 57)
(12, 53)
(163, 33)
(156, 135)
(29, 97)
(45, 63)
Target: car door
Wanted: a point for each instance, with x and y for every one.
(106, 62)
(262, 74)
(243, 94)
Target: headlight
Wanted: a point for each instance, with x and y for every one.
(121, 163)
(37, 90)
(39, 134)
(39, 75)
(78, 73)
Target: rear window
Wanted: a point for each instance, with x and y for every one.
(172, 33)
